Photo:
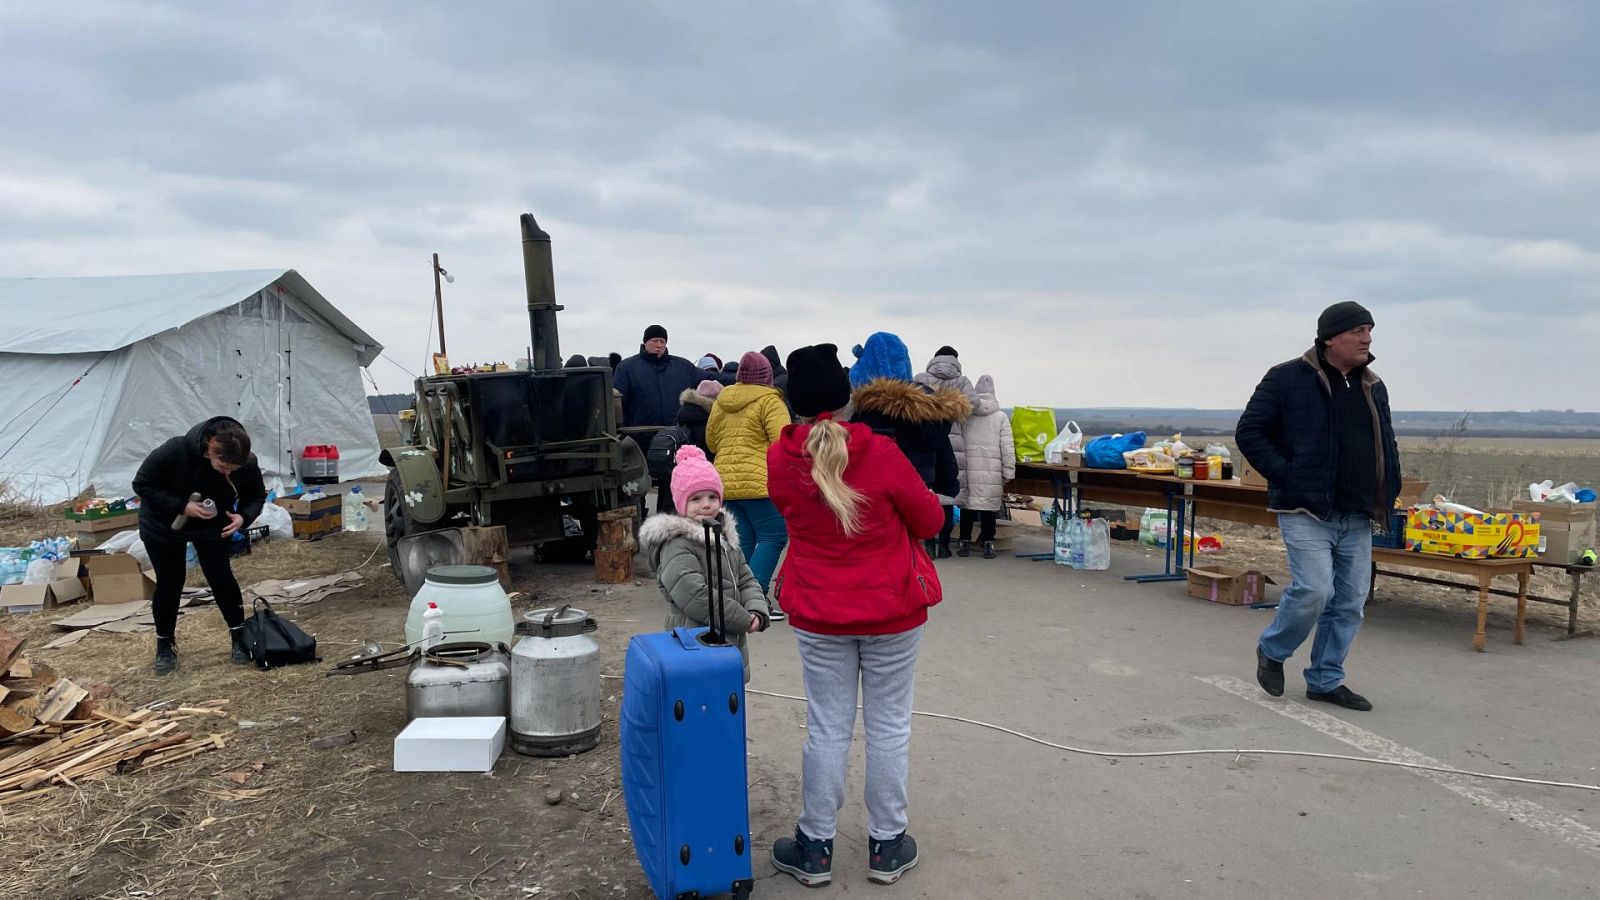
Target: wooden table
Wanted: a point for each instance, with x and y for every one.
(1484, 570)
(1188, 499)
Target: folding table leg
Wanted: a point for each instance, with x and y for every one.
(1479, 640)
(1522, 604)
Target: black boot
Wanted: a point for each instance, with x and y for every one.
(988, 549)
(809, 861)
(166, 656)
(943, 549)
(240, 654)
(1269, 673)
(964, 549)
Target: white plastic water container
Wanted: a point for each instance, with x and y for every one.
(473, 605)
(355, 510)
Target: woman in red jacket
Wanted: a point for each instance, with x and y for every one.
(857, 585)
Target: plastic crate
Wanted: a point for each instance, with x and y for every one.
(1396, 538)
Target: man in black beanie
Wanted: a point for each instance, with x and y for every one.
(651, 384)
(1319, 429)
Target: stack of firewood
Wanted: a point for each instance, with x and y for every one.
(54, 732)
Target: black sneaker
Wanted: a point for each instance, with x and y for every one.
(890, 859)
(964, 549)
(809, 861)
(1341, 696)
(777, 615)
(988, 549)
(1269, 672)
(942, 551)
(166, 656)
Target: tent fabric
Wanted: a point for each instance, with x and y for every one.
(114, 311)
(84, 417)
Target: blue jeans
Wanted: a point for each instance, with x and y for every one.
(762, 535)
(1330, 570)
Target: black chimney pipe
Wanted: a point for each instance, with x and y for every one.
(539, 274)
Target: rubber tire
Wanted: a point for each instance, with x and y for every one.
(396, 524)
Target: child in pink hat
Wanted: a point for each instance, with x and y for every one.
(675, 544)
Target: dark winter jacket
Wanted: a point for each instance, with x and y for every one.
(1287, 434)
(650, 387)
(692, 415)
(179, 468)
(918, 419)
(730, 373)
(879, 581)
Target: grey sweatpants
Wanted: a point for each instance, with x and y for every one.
(885, 667)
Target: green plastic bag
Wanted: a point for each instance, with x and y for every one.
(1033, 427)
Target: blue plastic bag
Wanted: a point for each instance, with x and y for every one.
(1105, 451)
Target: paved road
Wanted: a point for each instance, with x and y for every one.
(1085, 659)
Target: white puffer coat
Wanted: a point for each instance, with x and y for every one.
(989, 458)
(944, 372)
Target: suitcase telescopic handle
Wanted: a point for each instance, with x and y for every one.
(714, 583)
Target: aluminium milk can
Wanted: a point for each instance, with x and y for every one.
(555, 683)
(466, 678)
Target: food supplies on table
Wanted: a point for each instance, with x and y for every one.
(1442, 530)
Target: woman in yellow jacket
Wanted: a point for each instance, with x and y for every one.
(747, 418)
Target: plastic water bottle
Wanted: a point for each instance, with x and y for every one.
(355, 511)
(432, 626)
(1078, 533)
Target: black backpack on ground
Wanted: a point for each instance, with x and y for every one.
(273, 641)
(662, 457)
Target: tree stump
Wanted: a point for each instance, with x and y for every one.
(614, 546)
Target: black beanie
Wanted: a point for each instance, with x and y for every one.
(947, 350)
(817, 383)
(655, 331)
(1341, 317)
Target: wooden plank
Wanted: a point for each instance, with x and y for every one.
(88, 754)
(13, 723)
(59, 702)
(10, 648)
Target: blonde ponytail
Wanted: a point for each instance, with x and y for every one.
(828, 447)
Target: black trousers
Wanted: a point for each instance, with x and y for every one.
(948, 526)
(986, 533)
(167, 558)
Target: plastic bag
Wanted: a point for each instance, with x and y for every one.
(1033, 428)
(1105, 451)
(1070, 440)
(276, 518)
(1097, 545)
(1149, 458)
(127, 542)
(39, 571)
(1153, 528)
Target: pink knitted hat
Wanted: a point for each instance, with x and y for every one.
(694, 473)
(709, 388)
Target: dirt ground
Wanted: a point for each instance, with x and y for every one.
(339, 823)
(324, 823)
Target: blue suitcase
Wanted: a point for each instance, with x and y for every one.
(683, 759)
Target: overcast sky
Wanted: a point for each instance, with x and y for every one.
(1099, 204)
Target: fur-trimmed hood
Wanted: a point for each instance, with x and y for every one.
(909, 402)
(663, 527)
(692, 395)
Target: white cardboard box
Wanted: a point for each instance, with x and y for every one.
(465, 744)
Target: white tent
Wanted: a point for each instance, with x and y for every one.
(99, 371)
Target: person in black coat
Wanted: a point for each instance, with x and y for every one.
(696, 412)
(651, 381)
(1319, 429)
(214, 461)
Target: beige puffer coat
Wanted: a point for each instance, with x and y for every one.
(990, 458)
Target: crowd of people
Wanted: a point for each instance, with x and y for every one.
(852, 477)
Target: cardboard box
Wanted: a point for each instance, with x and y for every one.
(1494, 533)
(64, 587)
(1247, 474)
(1568, 529)
(117, 578)
(1411, 493)
(463, 744)
(1072, 458)
(1228, 585)
(314, 519)
(119, 522)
